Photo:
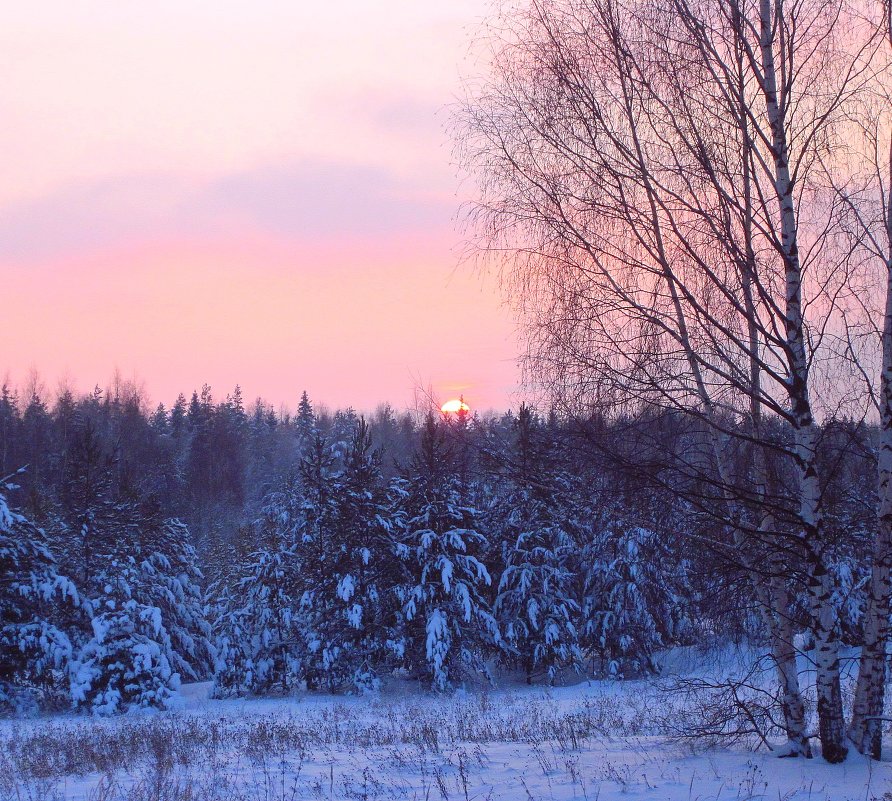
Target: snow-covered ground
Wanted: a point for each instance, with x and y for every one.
(594, 740)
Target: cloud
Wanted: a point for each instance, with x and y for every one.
(90, 216)
(325, 201)
(412, 116)
(305, 202)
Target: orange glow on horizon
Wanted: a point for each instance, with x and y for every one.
(273, 315)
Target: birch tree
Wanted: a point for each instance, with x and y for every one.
(647, 170)
(863, 182)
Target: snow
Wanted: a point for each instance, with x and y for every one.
(446, 570)
(594, 740)
(346, 588)
(354, 616)
(7, 518)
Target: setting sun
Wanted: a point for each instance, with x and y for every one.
(455, 405)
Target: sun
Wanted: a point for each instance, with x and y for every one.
(454, 406)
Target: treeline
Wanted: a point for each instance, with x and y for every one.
(208, 462)
(276, 553)
(321, 551)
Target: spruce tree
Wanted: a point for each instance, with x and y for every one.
(173, 585)
(632, 605)
(317, 552)
(141, 622)
(260, 633)
(449, 626)
(126, 663)
(355, 615)
(535, 605)
(35, 646)
(9, 423)
(178, 417)
(305, 421)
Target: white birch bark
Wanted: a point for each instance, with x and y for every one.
(831, 727)
(865, 730)
(772, 594)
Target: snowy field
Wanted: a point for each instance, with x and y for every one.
(594, 740)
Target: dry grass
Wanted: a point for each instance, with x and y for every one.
(259, 756)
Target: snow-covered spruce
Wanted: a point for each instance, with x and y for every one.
(35, 647)
(125, 664)
(311, 611)
(146, 624)
(448, 625)
(260, 630)
(630, 605)
(172, 582)
(141, 624)
(354, 614)
(535, 604)
(316, 553)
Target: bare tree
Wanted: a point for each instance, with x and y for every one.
(648, 170)
(863, 182)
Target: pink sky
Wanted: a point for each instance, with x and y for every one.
(232, 192)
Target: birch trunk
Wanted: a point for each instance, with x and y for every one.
(865, 730)
(771, 594)
(774, 600)
(774, 608)
(831, 725)
(784, 654)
